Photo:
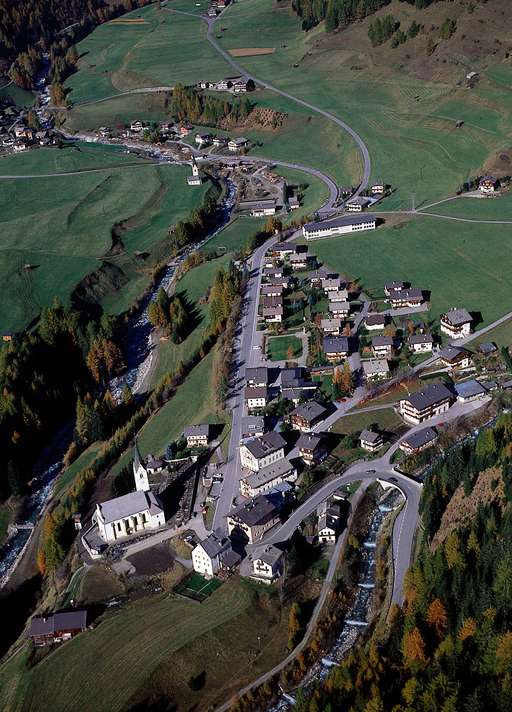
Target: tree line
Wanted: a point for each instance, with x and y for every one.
(198, 224)
(189, 104)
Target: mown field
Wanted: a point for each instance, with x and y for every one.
(499, 208)
(161, 636)
(55, 230)
(461, 264)
(385, 420)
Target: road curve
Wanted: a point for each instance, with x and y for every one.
(367, 166)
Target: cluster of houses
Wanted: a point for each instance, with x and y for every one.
(235, 145)
(19, 137)
(237, 85)
(216, 7)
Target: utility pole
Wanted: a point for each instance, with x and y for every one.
(413, 203)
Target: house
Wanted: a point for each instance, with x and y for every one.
(376, 369)
(260, 452)
(253, 426)
(470, 391)
(357, 204)
(237, 144)
(267, 566)
(311, 448)
(456, 323)
(487, 349)
(454, 357)
(339, 226)
(219, 141)
(256, 377)
(267, 478)
(432, 400)
(394, 286)
(272, 290)
(203, 139)
(375, 322)
(253, 518)
(331, 326)
(377, 188)
(370, 440)
(382, 346)
(411, 297)
(306, 415)
(273, 315)
(198, 435)
(330, 522)
(339, 310)
(259, 208)
(282, 250)
(204, 84)
(240, 86)
(420, 440)
(421, 343)
(128, 515)
(340, 295)
(256, 397)
(336, 348)
(275, 273)
(487, 185)
(331, 284)
(45, 630)
(269, 302)
(213, 554)
(293, 203)
(302, 260)
(317, 276)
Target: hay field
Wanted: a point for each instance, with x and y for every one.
(251, 51)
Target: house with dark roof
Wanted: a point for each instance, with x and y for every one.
(411, 297)
(258, 453)
(339, 226)
(268, 478)
(420, 440)
(267, 564)
(214, 554)
(432, 400)
(370, 440)
(456, 323)
(253, 426)
(251, 520)
(421, 343)
(256, 377)
(336, 348)
(382, 346)
(46, 630)
(198, 435)
(375, 322)
(470, 391)
(394, 286)
(307, 415)
(331, 327)
(454, 357)
(129, 515)
(311, 448)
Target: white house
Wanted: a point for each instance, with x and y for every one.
(267, 566)
(376, 369)
(433, 400)
(456, 323)
(198, 435)
(421, 343)
(255, 397)
(129, 515)
(370, 440)
(258, 453)
(212, 554)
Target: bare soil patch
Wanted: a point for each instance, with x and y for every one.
(153, 561)
(251, 51)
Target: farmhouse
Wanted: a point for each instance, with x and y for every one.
(57, 627)
(237, 144)
(311, 448)
(284, 249)
(260, 452)
(130, 514)
(256, 377)
(306, 415)
(420, 440)
(421, 343)
(252, 519)
(198, 435)
(382, 346)
(339, 310)
(330, 522)
(376, 369)
(470, 391)
(267, 478)
(411, 297)
(259, 208)
(433, 400)
(267, 566)
(456, 323)
(375, 322)
(256, 397)
(487, 185)
(253, 426)
(339, 226)
(213, 554)
(371, 441)
(336, 348)
(331, 326)
(357, 204)
(454, 357)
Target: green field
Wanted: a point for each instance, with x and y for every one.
(500, 335)
(462, 264)
(277, 347)
(149, 637)
(386, 420)
(197, 587)
(56, 230)
(499, 208)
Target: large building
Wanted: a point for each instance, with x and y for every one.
(336, 348)
(339, 226)
(213, 554)
(268, 478)
(261, 452)
(129, 515)
(306, 415)
(432, 400)
(253, 518)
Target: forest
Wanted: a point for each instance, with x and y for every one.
(188, 104)
(449, 648)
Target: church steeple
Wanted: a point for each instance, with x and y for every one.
(195, 168)
(140, 474)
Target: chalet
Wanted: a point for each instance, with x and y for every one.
(268, 478)
(339, 226)
(213, 554)
(394, 286)
(256, 397)
(371, 441)
(454, 357)
(257, 377)
(253, 426)
(487, 348)
(411, 297)
(336, 348)
(46, 630)
(293, 203)
(331, 326)
(376, 369)
(375, 322)
(240, 86)
(330, 522)
(220, 141)
(456, 323)
(357, 204)
(237, 144)
(267, 566)
(312, 448)
(227, 83)
(131, 514)
(340, 295)
(198, 435)
(272, 290)
(273, 315)
(416, 442)
(421, 343)
(382, 346)
(339, 310)
(432, 400)
(253, 519)
(470, 391)
(260, 452)
(487, 185)
(307, 415)
(203, 139)
(331, 284)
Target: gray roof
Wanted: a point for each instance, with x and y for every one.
(216, 543)
(340, 222)
(281, 468)
(420, 438)
(406, 294)
(255, 392)
(469, 389)
(369, 436)
(273, 311)
(335, 306)
(330, 324)
(308, 441)
(335, 344)
(66, 620)
(257, 375)
(129, 504)
(487, 348)
(450, 353)
(253, 424)
(197, 430)
(257, 204)
(382, 341)
(256, 511)
(270, 555)
(375, 319)
(457, 317)
(394, 285)
(428, 396)
(375, 366)
(310, 410)
(285, 247)
(272, 288)
(265, 444)
(421, 339)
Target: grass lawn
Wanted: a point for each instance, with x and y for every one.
(236, 235)
(500, 335)
(197, 587)
(386, 420)
(81, 463)
(278, 346)
(499, 208)
(461, 264)
(175, 634)
(60, 227)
